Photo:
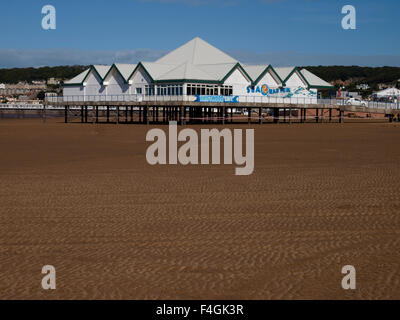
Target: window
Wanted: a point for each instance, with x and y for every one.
(138, 90)
(149, 90)
(226, 90)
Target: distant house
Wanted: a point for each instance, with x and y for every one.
(53, 81)
(363, 86)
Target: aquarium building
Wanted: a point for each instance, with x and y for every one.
(196, 70)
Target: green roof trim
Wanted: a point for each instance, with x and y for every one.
(214, 82)
(321, 87)
(92, 68)
(137, 67)
(269, 68)
(119, 72)
(237, 66)
(188, 81)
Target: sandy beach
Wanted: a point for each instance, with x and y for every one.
(81, 197)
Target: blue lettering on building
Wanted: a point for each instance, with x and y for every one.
(266, 91)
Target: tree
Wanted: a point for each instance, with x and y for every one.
(41, 95)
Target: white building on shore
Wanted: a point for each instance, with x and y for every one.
(196, 70)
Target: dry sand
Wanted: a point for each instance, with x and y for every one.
(83, 198)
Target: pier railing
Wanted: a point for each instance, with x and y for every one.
(286, 102)
(241, 99)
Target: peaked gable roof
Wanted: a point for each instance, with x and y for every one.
(102, 70)
(125, 70)
(78, 79)
(285, 72)
(257, 72)
(314, 81)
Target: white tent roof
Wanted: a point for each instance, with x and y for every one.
(196, 51)
(389, 92)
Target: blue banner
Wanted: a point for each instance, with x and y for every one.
(220, 99)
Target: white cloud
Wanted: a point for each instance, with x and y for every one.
(12, 58)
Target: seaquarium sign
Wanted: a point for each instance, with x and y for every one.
(219, 99)
(265, 90)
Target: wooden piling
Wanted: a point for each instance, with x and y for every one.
(276, 115)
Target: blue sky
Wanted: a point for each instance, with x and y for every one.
(280, 32)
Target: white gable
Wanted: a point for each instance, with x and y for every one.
(295, 81)
(269, 80)
(93, 79)
(93, 83)
(140, 77)
(115, 83)
(237, 77)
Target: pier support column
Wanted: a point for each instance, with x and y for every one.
(181, 119)
(97, 114)
(248, 115)
(260, 118)
(290, 115)
(316, 115)
(146, 115)
(223, 115)
(117, 114)
(341, 116)
(330, 114)
(43, 114)
(66, 114)
(86, 112)
(276, 115)
(157, 109)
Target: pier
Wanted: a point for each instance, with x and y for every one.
(186, 110)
